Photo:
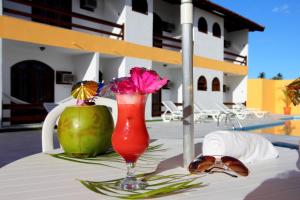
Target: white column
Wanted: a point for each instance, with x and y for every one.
(96, 59)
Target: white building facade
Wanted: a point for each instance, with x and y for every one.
(104, 39)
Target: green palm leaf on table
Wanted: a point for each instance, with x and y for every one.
(111, 157)
(158, 186)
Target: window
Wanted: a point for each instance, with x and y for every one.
(216, 30)
(140, 6)
(202, 25)
(202, 85)
(215, 84)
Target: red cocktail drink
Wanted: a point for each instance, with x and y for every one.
(130, 137)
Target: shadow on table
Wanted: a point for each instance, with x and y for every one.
(175, 161)
(17, 145)
(284, 186)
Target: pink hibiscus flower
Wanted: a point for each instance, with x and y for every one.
(141, 81)
(146, 81)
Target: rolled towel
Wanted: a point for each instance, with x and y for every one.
(246, 147)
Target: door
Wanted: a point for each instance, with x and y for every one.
(156, 104)
(157, 31)
(31, 81)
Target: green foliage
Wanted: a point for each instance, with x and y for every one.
(279, 76)
(157, 186)
(262, 75)
(111, 157)
(285, 99)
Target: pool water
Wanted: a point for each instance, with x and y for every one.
(287, 127)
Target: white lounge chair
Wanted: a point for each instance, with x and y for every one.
(214, 114)
(240, 114)
(53, 115)
(172, 112)
(231, 116)
(256, 112)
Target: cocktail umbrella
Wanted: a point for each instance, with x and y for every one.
(294, 91)
(85, 90)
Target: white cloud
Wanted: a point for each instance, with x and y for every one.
(285, 8)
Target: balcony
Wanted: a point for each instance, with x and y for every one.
(168, 42)
(43, 13)
(235, 58)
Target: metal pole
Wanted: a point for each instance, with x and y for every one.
(187, 66)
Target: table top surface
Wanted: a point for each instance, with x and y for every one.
(42, 176)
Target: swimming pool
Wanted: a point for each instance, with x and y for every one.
(286, 126)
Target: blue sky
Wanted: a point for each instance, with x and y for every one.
(277, 49)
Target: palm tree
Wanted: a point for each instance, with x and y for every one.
(262, 75)
(279, 76)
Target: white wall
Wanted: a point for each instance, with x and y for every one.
(208, 45)
(175, 76)
(86, 66)
(239, 42)
(209, 97)
(138, 26)
(240, 91)
(110, 68)
(57, 61)
(237, 89)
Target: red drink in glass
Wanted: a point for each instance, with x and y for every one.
(130, 138)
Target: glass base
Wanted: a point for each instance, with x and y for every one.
(131, 183)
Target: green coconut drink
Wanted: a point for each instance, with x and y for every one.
(85, 130)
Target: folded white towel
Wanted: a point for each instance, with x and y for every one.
(244, 146)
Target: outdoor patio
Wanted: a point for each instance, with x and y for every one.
(16, 145)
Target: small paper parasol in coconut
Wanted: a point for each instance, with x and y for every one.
(84, 91)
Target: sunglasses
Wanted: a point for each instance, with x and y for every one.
(211, 164)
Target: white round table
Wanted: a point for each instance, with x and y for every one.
(41, 176)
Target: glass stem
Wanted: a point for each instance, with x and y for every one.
(130, 169)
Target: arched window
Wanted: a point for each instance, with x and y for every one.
(215, 84)
(140, 6)
(216, 30)
(202, 84)
(202, 25)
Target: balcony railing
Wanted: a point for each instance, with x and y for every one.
(233, 57)
(161, 41)
(64, 13)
